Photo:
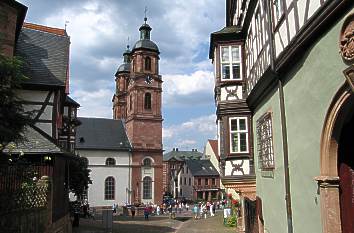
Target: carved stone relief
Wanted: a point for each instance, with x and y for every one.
(347, 39)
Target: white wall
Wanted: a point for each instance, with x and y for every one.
(187, 190)
(99, 172)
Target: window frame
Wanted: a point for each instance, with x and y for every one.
(199, 181)
(147, 187)
(266, 118)
(109, 188)
(230, 62)
(147, 63)
(239, 132)
(110, 159)
(277, 17)
(206, 181)
(149, 164)
(147, 100)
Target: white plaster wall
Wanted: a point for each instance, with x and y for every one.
(245, 166)
(33, 95)
(98, 174)
(46, 127)
(238, 89)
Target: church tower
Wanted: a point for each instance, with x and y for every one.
(139, 103)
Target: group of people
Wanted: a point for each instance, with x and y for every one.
(202, 209)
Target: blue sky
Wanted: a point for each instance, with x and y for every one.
(99, 31)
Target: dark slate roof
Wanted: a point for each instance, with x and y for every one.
(225, 34)
(201, 168)
(125, 67)
(182, 155)
(46, 56)
(100, 133)
(70, 101)
(35, 143)
(146, 44)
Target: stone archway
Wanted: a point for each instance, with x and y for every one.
(328, 181)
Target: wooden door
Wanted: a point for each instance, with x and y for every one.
(346, 175)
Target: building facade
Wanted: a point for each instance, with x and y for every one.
(299, 90)
(106, 146)
(138, 101)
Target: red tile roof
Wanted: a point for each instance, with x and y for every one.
(214, 146)
(57, 31)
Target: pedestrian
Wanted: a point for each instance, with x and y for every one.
(214, 208)
(158, 210)
(132, 209)
(146, 212)
(114, 208)
(195, 211)
(187, 207)
(211, 208)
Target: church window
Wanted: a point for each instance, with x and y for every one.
(265, 141)
(230, 57)
(130, 102)
(147, 63)
(147, 187)
(147, 101)
(199, 181)
(109, 187)
(110, 162)
(147, 162)
(206, 181)
(238, 134)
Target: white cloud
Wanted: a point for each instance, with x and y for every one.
(192, 132)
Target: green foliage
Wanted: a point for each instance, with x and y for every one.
(79, 175)
(231, 221)
(13, 117)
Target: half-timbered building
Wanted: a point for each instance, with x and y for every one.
(298, 73)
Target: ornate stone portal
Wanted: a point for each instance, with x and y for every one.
(347, 39)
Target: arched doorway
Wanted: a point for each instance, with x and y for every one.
(346, 176)
(336, 181)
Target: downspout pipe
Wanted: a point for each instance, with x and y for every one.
(283, 121)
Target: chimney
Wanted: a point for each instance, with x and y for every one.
(173, 149)
(176, 149)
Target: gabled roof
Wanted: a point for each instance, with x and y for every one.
(214, 147)
(201, 168)
(101, 134)
(181, 155)
(45, 53)
(36, 143)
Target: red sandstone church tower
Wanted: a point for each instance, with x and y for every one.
(138, 102)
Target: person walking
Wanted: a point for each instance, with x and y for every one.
(132, 209)
(158, 210)
(146, 212)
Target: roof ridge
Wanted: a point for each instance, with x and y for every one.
(43, 28)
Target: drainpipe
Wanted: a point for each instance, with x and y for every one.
(283, 120)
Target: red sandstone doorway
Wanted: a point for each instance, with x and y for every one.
(346, 176)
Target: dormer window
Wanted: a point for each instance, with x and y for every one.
(230, 62)
(148, 63)
(110, 162)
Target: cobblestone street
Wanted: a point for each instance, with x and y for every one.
(157, 224)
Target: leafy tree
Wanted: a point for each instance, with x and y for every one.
(13, 117)
(79, 176)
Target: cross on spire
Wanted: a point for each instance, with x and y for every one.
(145, 11)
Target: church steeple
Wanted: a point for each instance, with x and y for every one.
(145, 30)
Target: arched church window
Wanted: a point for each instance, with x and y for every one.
(110, 162)
(147, 187)
(147, 162)
(147, 101)
(147, 63)
(109, 187)
(130, 102)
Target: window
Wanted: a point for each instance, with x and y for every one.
(147, 187)
(182, 170)
(147, 101)
(190, 181)
(265, 141)
(185, 181)
(230, 62)
(206, 181)
(277, 9)
(238, 134)
(109, 186)
(180, 181)
(130, 102)
(147, 162)
(187, 170)
(110, 162)
(147, 63)
(213, 181)
(199, 181)
(180, 192)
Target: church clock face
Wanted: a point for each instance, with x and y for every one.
(148, 80)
